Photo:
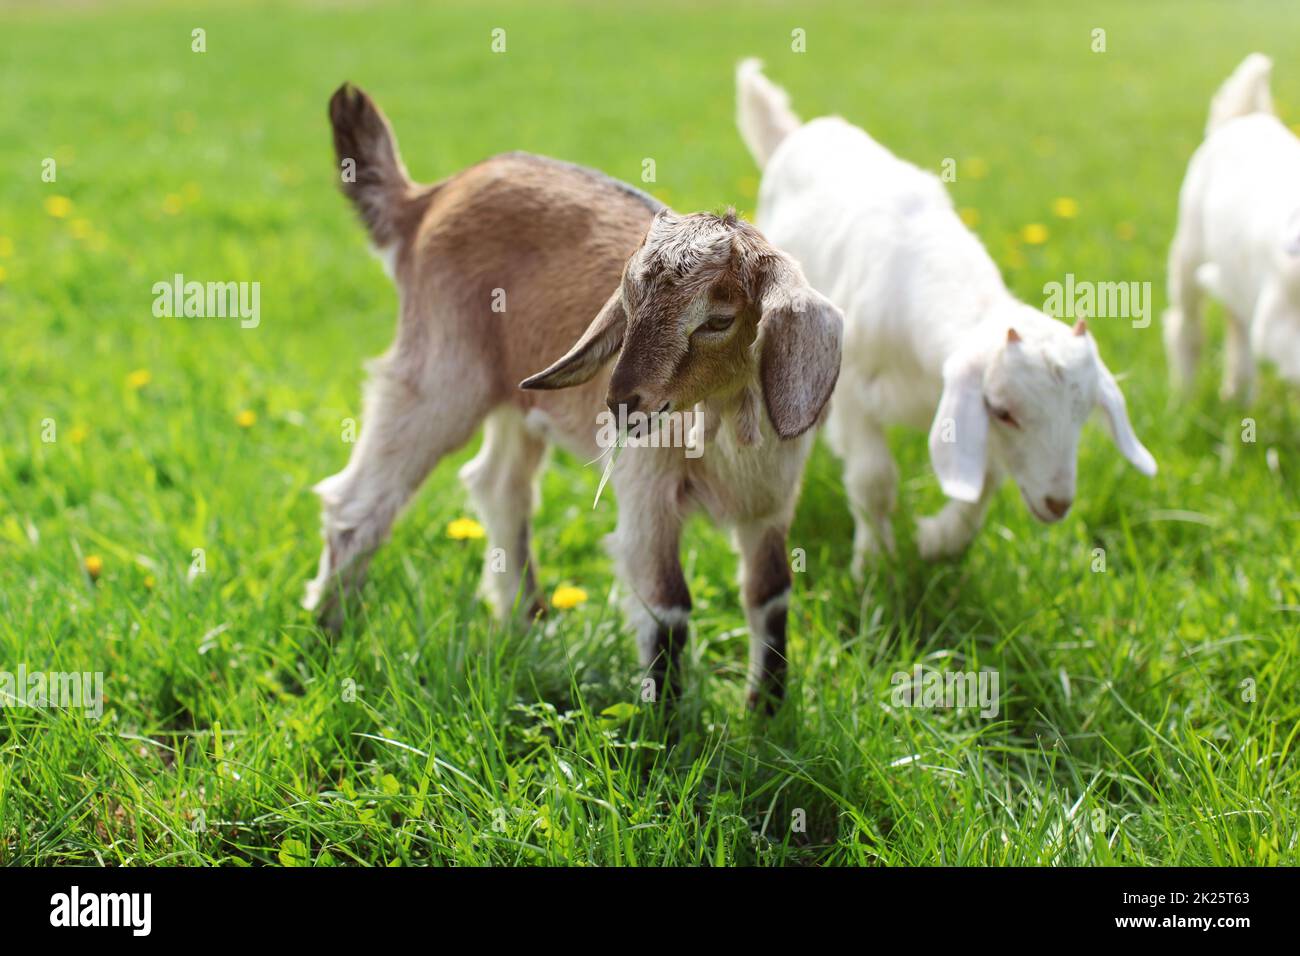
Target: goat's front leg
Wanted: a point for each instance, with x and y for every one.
(645, 546)
(948, 533)
(765, 578)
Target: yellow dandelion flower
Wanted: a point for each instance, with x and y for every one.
(1126, 231)
(94, 565)
(969, 216)
(58, 206)
(3, 273)
(149, 582)
(172, 204)
(246, 419)
(465, 529)
(6, 247)
(568, 597)
(1034, 234)
(976, 168)
(1065, 208)
(81, 228)
(78, 434)
(139, 378)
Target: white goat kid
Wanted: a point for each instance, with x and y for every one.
(932, 335)
(1238, 238)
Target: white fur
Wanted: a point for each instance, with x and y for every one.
(1238, 238)
(927, 318)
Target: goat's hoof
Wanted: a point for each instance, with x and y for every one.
(935, 540)
(1232, 394)
(764, 701)
(325, 607)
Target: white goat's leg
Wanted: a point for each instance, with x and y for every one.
(645, 547)
(500, 481)
(1238, 362)
(765, 581)
(871, 482)
(409, 421)
(1182, 320)
(948, 533)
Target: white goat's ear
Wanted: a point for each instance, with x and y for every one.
(799, 336)
(602, 339)
(959, 433)
(1111, 401)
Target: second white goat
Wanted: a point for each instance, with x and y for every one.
(932, 334)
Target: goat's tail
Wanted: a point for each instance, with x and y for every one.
(762, 111)
(1243, 93)
(370, 167)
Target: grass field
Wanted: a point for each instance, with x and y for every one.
(1149, 712)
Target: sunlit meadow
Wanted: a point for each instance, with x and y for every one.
(156, 523)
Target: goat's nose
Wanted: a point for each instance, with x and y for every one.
(630, 402)
(1056, 506)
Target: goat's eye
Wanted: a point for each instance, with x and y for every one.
(1002, 415)
(718, 323)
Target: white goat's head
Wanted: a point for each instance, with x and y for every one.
(1019, 404)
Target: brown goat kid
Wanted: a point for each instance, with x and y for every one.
(499, 270)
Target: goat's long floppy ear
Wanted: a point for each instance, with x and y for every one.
(959, 434)
(602, 339)
(799, 335)
(1111, 401)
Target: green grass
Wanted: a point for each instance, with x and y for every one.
(229, 736)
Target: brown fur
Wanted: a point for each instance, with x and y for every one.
(563, 244)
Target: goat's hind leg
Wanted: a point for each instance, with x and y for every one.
(870, 479)
(408, 424)
(500, 480)
(871, 483)
(1182, 320)
(1238, 362)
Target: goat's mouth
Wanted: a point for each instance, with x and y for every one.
(641, 424)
